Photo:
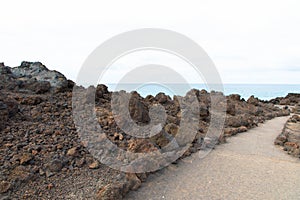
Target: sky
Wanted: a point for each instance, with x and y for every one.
(255, 41)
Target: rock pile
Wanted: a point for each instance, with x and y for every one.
(42, 156)
(289, 139)
(290, 99)
(297, 109)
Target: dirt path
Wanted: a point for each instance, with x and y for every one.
(249, 166)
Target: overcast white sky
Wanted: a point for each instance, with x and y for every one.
(253, 41)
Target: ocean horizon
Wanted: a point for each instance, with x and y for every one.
(262, 91)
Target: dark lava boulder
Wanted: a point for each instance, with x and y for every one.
(252, 100)
(39, 72)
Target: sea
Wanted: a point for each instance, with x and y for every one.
(262, 91)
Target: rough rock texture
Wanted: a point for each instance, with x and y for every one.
(33, 77)
(290, 99)
(42, 156)
(37, 71)
(289, 139)
(297, 109)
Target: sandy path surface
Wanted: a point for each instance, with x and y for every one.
(249, 166)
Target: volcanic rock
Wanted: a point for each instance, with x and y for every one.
(253, 100)
(40, 145)
(37, 70)
(4, 186)
(290, 136)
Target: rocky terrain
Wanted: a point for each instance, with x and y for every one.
(289, 139)
(291, 99)
(42, 156)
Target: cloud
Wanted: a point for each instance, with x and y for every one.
(249, 41)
